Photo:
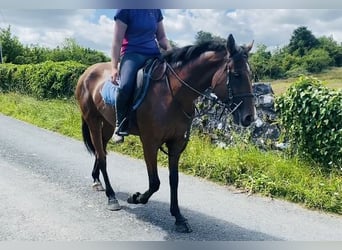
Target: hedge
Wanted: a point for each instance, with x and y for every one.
(44, 80)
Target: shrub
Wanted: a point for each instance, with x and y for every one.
(317, 60)
(44, 80)
(311, 117)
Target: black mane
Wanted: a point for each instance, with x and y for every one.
(183, 55)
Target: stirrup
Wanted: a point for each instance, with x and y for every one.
(118, 138)
(122, 129)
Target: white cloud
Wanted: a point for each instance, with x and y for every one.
(272, 27)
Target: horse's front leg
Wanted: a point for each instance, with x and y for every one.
(150, 154)
(181, 223)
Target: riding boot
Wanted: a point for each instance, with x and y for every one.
(121, 108)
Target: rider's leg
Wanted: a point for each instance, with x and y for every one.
(129, 66)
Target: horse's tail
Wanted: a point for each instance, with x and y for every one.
(86, 137)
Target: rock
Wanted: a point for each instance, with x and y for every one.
(212, 119)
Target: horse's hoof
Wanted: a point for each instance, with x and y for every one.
(97, 186)
(113, 205)
(133, 199)
(183, 227)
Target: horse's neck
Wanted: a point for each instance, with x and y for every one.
(191, 81)
(200, 76)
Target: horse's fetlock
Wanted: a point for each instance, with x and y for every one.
(154, 187)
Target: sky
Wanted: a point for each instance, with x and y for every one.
(93, 28)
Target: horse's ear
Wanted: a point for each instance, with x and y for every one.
(249, 46)
(231, 44)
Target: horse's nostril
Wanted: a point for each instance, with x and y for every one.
(248, 120)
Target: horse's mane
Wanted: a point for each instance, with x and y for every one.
(183, 55)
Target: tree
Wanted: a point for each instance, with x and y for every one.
(260, 61)
(275, 64)
(333, 48)
(203, 36)
(302, 40)
(11, 47)
(71, 51)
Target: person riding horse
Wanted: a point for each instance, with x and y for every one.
(165, 115)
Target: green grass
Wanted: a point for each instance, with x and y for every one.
(244, 166)
(57, 115)
(332, 78)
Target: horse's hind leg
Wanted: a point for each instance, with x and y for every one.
(97, 185)
(150, 154)
(101, 163)
(107, 132)
(181, 223)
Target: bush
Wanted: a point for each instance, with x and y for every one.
(296, 71)
(317, 60)
(44, 80)
(311, 117)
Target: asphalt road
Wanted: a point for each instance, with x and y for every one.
(45, 183)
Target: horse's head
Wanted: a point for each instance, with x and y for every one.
(232, 83)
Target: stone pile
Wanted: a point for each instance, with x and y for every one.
(212, 119)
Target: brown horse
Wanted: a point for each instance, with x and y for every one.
(165, 115)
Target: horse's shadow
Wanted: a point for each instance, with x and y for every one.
(205, 228)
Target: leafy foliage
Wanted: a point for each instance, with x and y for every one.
(302, 41)
(44, 80)
(11, 46)
(203, 36)
(311, 116)
(305, 54)
(16, 53)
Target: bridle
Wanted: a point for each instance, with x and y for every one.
(234, 73)
(226, 104)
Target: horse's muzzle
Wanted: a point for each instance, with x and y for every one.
(243, 119)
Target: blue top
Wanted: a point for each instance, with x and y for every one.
(140, 36)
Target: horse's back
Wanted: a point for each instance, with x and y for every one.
(91, 78)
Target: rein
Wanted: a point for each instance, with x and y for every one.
(215, 100)
(188, 86)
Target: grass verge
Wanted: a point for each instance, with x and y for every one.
(331, 77)
(244, 166)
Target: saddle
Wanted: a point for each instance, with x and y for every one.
(154, 69)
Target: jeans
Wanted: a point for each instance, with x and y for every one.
(129, 66)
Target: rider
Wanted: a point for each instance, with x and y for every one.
(138, 33)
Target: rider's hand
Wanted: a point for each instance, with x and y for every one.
(115, 76)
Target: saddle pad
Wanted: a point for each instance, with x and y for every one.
(108, 93)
